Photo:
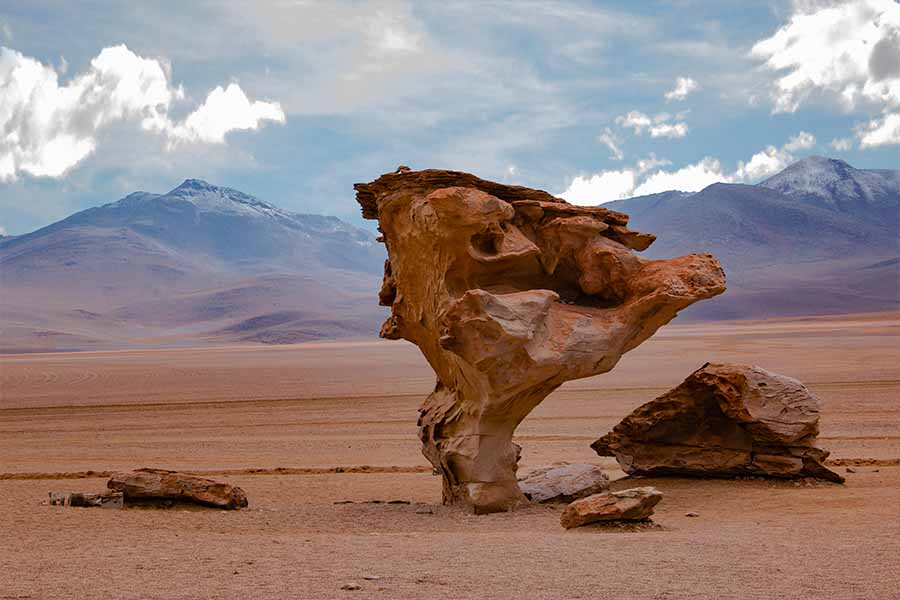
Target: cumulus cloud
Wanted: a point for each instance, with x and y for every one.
(647, 176)
(660, 125)
(609, 139)
(848, 50)
(47, 128)
(683, 87)
(880, 132)
(225, 110)
(601, 187)
(691, 178)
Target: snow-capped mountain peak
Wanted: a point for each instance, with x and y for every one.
(836, 183)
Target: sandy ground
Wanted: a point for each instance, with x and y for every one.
(315, 409)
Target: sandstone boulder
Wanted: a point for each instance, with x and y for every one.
(509, 292)
(635, 504)
(723, 420)
(563, 482)
(154, 485)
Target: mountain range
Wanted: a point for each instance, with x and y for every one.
(205, 265)
(200, 264)
(819, 237)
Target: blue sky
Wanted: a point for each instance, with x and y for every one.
(295, 101)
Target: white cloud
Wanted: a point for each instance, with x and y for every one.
(801, 141)
(47, 128)
(669, 130)
(846, 50)
(226, 110)
(683, 87)
(659, 125)
(651, 162)
(691, 178)
(635, 120)
(2, 230)
(880, 132)
(841, 144)
(647, 178)
(602, 187)
(609, 139)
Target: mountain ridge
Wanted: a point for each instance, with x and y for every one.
(128, 262)
(796, 243)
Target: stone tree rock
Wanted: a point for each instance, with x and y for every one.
(722, 421)
(509, 292)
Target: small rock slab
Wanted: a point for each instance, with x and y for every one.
(628, 505)
(155, 485)
(563, 482)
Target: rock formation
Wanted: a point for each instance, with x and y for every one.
(509, 292)
(563, 482)
(723, 420)
(155, 485)
(635, 504)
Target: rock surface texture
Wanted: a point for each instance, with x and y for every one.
(723, 420)
(635, 504)
(563, 482)
(509, 292)
(154, 485)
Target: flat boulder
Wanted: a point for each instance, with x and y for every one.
(563, 482)
(635, 504)
(724, 420)
(159, 485)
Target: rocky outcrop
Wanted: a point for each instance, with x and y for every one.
(635, 504)
(158, 485)
(563, 482)
(723, 420)
(509, 292)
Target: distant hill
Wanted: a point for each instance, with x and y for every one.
(819, 237)
(198, 264)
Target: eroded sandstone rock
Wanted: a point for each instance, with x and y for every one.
(509, 292)
(563, 482)
(723, 420)
(635, 504)
(150, 485)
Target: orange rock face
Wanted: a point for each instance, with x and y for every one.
(509, 292)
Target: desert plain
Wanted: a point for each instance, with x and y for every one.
(322, 437)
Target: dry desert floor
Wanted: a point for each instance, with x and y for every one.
(304, 429)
